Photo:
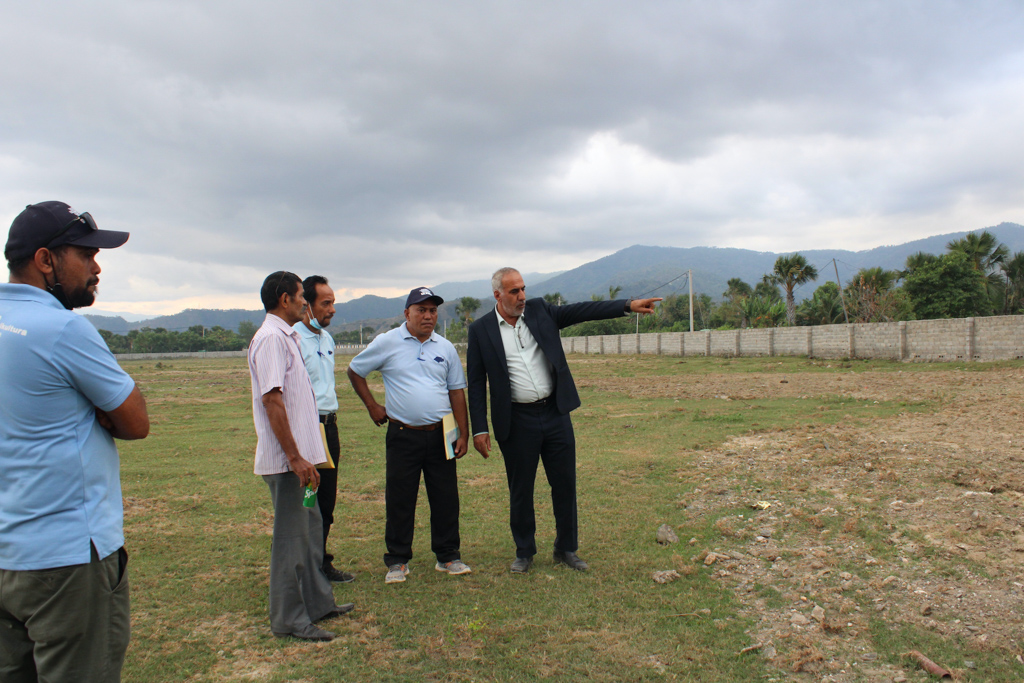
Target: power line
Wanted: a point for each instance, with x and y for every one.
(652, 291)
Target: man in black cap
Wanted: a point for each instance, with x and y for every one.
(423, 381)
(64, 609)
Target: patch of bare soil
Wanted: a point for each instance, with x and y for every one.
(852, 529)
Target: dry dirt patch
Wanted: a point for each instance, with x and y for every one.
(914, 520)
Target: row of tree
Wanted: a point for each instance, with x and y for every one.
(976, 276)
(195, 338)
(199, 338)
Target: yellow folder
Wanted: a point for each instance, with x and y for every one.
(329, 465)
(451, 435)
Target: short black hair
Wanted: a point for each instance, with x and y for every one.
(18, 266)
(309, 287)
(276, 284)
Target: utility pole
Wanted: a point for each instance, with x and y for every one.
(689, 278)
(841, 297)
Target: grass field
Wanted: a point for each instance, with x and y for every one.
(198, 524)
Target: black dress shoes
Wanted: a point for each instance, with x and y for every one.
(570, 559)
(310, 632)
(338, 611)
(522, 565)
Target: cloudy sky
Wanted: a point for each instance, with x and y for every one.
(392, 144)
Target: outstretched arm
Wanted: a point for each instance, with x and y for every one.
(644, 306)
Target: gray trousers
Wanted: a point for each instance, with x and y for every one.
(299, 592)
(65, 624)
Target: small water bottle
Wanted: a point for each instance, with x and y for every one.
(309, 497)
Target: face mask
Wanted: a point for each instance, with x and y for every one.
(315, 324)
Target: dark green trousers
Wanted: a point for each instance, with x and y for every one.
(65, 625)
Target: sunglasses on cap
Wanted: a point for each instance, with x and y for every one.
(82, 218)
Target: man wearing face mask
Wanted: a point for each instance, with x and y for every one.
(317, 348)
(64, 606)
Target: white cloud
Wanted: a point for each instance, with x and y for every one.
(393, 144)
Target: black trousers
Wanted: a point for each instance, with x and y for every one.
(327, 494)
(540, 433)
(409, 452)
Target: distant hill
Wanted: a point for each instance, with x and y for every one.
(639, 270)
(370, 310)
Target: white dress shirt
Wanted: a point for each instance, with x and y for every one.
(529, 371)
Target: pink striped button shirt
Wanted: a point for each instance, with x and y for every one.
(275, 361)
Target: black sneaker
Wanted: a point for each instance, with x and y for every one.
(338, 577)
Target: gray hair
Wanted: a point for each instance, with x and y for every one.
(498, 276)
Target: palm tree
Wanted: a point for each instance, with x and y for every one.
(734, 296)
(613, 292)
(915, 261)
(761, 312)
(983, 249)
(767, 289)
(824, 307)
(875, 278)
(1013, 269)
(986, 254)
(555, 298)
(791, 272)
(466, 308)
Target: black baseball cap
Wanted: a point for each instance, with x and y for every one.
(53, 224)
(421, 294)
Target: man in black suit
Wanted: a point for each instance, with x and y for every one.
(517, 349)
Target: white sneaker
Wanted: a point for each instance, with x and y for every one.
(396, 573)
(454, 567)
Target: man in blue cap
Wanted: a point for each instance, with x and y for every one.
(423, 381)
(64, 608)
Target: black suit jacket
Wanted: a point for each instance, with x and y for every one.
(486, 363)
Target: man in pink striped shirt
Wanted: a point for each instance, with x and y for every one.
(288, 448)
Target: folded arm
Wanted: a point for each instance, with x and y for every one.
(128, 421)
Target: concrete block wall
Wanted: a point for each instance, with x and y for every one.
(791, 341)
(877, 340)
(983, 339)
(937, 340)
(758, 342)
(999, 338)
(723, 342)
(830, 341)
(649, 343)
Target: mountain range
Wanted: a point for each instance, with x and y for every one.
(639, 270)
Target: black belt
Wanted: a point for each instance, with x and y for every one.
(419, 428)
(540, 402)
(329, 418)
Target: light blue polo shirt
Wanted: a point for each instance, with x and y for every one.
(60, 485)
(318, 356)
(417, 376)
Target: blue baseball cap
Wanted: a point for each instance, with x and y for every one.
(54, 224)
(421, 294)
